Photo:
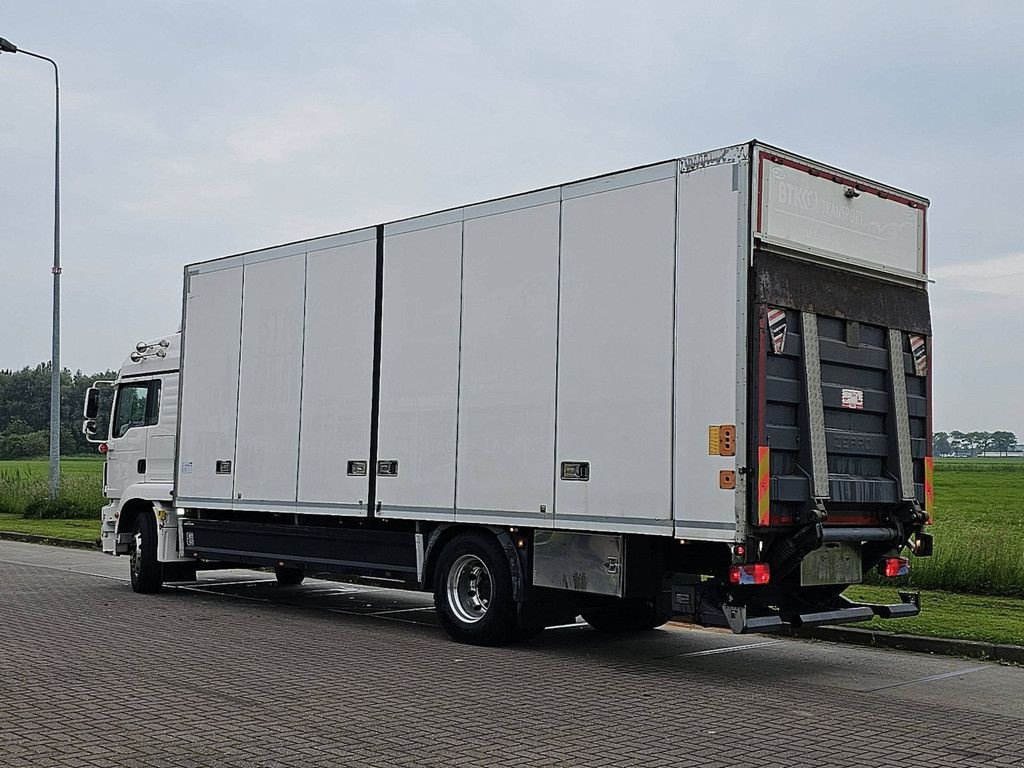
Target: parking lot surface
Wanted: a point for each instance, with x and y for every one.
(237, 671)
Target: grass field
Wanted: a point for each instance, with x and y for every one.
(24, 488)
(86, 530)
(950, 614)
(979, 529)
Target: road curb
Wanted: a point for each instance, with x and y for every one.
(32, 538)
(1012, 654)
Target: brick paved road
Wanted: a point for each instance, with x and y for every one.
(239, 672)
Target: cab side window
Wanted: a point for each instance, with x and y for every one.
(138, 405)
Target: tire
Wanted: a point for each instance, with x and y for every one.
(473, 592)
(147, 572)
(625, 615)
(288, 577)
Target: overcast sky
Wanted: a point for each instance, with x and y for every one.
(192, 130)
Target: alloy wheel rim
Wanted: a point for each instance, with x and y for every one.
(469, 588)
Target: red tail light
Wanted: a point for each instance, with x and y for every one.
(102, 448)
(895, 566)
(753, 573)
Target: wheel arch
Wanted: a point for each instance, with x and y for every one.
(127, 514)
(439, 538)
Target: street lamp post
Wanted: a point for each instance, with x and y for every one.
(8, 47)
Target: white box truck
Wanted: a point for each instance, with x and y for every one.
(697, 388)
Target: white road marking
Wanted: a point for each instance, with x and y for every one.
(715, 651)
(929, 678)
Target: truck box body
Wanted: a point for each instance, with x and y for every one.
(624, 354)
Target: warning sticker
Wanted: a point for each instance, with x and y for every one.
(919, 350)
(777, 328)
(853, 398)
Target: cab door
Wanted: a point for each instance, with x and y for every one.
(136, 411)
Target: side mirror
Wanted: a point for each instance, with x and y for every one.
(91, 411)
(92, 406)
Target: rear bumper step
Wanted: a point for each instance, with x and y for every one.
(741, 620)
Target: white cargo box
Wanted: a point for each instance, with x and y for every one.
(552, 359)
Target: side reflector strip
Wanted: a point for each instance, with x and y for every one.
(929, 486)
(764, 483)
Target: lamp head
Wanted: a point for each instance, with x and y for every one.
(6, 46)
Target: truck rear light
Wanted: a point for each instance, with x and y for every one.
(752, 573)
(892, 567)
(103, 448)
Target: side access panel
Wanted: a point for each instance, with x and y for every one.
(337, 376)
(419, 373)
(269, 382)
(710, 389)
(506, 438)
(614, 419)
(209, 384)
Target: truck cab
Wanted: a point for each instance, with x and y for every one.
(138, 475)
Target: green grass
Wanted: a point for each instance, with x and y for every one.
(24, 488)
(75, 530)
(69, 465)
(978, 529)
(947, 614)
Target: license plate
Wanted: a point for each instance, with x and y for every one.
(833, 563)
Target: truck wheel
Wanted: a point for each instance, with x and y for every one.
(473, 591)
(147, 571)
(625, 615)
(288, 577)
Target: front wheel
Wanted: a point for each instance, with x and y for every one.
(473, 591)
(147, 572)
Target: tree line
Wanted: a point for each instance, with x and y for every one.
(973, 443)
(25, 411)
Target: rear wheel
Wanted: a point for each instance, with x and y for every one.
(473, 591)
(147, 572)
(288, 577)
(625, 615)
